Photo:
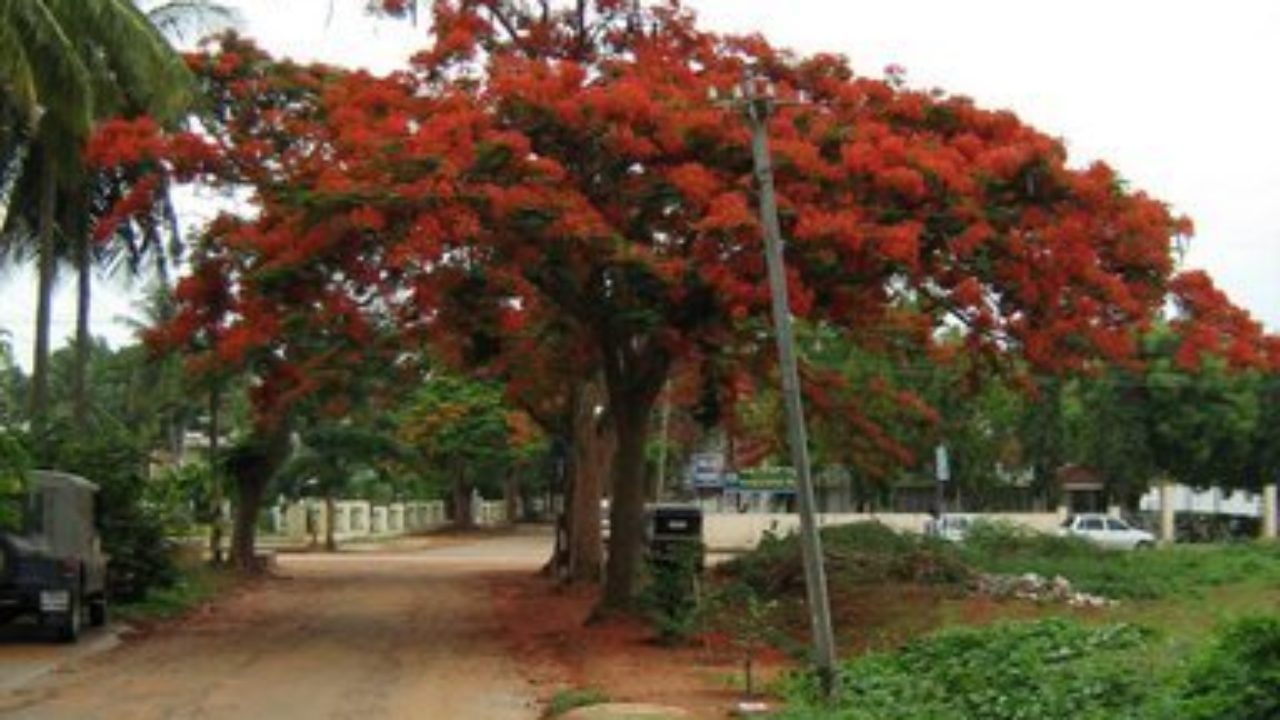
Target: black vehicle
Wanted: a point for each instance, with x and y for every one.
(51, 562)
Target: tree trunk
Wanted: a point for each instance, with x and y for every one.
(593, 451)
(84, 291)
(511, 494)
(252, 471)
(626, 517)
(46, 260)
(331, 516)
(215, 475)
(463, 515)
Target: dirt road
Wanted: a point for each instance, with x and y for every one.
(400, 632)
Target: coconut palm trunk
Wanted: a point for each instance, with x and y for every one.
(84, 291)
(46, 260)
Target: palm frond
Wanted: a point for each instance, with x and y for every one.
(43, 56)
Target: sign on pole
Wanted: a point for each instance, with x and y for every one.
(941, 464)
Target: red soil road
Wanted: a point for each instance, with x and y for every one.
(406, 631)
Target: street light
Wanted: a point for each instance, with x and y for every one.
(755, 99)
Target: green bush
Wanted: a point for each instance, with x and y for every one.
(856, 554)
(133, 533)
(1043, 670)
(1238, 676)
(14, 463)
(671, 596)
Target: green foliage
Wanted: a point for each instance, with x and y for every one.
(1238, 676)
(180, 497)
(671, 597)
(1158, 573)
(332, 458)
(133, 533)
(1043, 670)
(194, 584)
(14, 463)
(12, 390)
(565, 700)
(864, 553)
(748, 619)
(1057, 668)
(458, 427)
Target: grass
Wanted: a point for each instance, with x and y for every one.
(1056, 668)
(868, 554)
(920, 645)
(565, 700)
(197, 583)
(1046, 669)
(1179, 571)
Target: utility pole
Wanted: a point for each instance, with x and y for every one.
(663, 431)
(942, 472)
(755, 99)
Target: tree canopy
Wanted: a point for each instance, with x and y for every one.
(567, 163)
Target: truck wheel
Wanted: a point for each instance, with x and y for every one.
(98, 611)
(69, 622)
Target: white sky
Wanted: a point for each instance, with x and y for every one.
(1178, 95)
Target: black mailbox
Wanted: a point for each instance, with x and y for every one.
(672, 529)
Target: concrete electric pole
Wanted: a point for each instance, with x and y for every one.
(755, 99)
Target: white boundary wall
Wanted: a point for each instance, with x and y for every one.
(725, 532)
(360, 519)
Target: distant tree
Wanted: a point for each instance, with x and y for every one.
(460, 427)
(328, 460)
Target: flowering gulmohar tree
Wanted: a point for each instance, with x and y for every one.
(568, 163)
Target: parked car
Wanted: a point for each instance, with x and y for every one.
(51, 563)
(1107, 532)
(950, 527)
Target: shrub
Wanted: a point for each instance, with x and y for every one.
(671, 596)
(1046, 670)
(1238, 676)
(862, 553)
(133, 534)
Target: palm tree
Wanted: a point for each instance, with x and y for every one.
(63, 65)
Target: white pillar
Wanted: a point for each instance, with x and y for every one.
(1166, 511)
(1269, 511)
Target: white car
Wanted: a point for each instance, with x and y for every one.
(1107, 532)
(953, 527)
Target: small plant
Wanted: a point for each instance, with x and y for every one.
(566, 700)
(671, 597)
(748, 619)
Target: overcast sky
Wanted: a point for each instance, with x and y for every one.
(1178, 95)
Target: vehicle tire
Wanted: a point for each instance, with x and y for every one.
(68, 623)
(98, 611)
(1144, 545)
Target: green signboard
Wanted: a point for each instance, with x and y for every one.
(777, 479)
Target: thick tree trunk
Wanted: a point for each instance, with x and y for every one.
(46, 261)
(593, 452)
(626, 517)
(331, 516)
(252, 472)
